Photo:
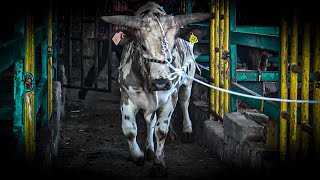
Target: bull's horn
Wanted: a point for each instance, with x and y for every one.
(128, 21)
(185, 19)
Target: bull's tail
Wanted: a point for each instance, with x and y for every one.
(173, 134)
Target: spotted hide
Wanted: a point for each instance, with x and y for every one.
(147, 80)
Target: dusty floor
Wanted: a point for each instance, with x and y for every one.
(92, 143)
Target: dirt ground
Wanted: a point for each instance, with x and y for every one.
(92, 143)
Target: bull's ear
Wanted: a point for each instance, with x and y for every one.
(190, 33)
(122, 37)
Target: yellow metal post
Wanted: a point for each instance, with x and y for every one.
(216, 68)
(316, 92)
(221, 61)
(212, 60)
(293, 87)
(226, 49)
(29, 106)
(305, 86)
(50, 61)
(283, 87)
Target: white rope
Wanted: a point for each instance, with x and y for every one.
(181, 72)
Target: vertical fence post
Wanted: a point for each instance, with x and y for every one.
(18, 130)
(233, 54)
(305, 87)
(216, 52)
(316, 92)
(50, 65)
(221, 61)
(293, 86)
(212, 60)
(283, 87)
(226, 60)
(29, 106)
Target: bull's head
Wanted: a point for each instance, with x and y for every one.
(150, 33)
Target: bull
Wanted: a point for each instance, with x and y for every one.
(147, 80)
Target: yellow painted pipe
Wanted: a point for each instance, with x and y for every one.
(212, 60)
(283, 87)
(29, 106)
(50, 62)
(316, 92)
(216, 68)
(226, 49)
(293, 87)
(221, 61)
(305, 86)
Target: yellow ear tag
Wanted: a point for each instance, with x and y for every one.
(193, 39)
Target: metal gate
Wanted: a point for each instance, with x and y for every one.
(85, 48)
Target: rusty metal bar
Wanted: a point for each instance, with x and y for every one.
(305, 86)
(50, 65)
(293, 87)
(212, 60)
(29, 104)
(221, 60)
(316, 91)
(216, 51)
(226, 61)
(283, 87)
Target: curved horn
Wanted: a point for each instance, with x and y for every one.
(128, 21)
(185, 19)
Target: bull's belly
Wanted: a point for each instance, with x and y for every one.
(148, 101)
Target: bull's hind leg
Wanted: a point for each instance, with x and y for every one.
(161, 131)
(184, 100)
(149, 147)
(129, 128)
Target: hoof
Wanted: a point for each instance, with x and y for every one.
(187, 137)
(158, 170)
(149, 155)
(138, 161)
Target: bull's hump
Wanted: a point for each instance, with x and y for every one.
(150, 8)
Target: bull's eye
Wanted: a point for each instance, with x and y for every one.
(143, 47)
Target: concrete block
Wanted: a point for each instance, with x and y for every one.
(213, 136)
(241, 129)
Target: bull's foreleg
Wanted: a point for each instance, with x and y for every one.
(184, 100)
(129, 128)
(161, 131)
(150, 121)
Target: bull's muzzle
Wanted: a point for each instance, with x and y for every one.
(160, 84)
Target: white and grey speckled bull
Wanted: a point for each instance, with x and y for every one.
(144, 76)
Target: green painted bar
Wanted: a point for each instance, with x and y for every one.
(258, 30)
(253, 86)
(253, 40)
(11, 51)
(40, 92)
(43, 99)
(233, 56)
(40, 35)
(251, 75)
(271, 109)
(232, 15)
(203, 59)
(267, 76)
(18, 99)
